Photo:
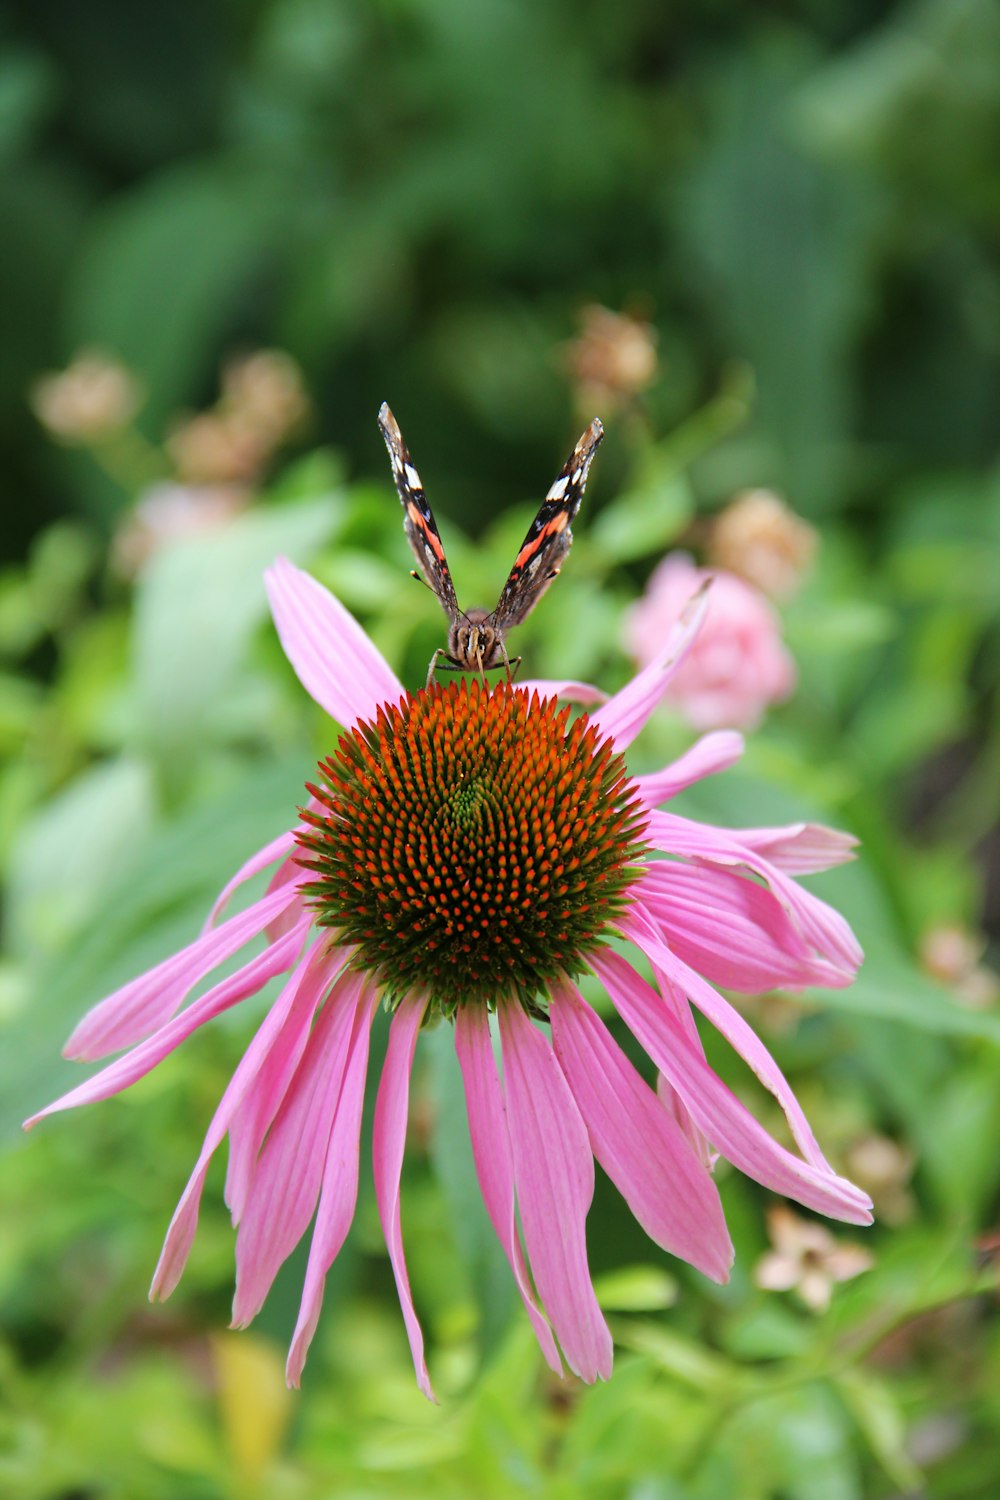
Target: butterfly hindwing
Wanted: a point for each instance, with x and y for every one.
(418, 518)
(549, 536)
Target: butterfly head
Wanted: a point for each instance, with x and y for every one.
(475, 643)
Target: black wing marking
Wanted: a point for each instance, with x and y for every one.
(418, 518)
(549, 537)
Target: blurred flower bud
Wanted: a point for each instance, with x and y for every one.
(807, 1259)
(169, 513)
(612, 360)
(761, 540)
(92, 398)
(265, 391)
(738, 663)
(952, 955)
(214, 449)
(883, 1168)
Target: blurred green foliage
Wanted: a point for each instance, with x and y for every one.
(415, 200)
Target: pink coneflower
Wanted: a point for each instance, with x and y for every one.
(739, 664)
(465, 856)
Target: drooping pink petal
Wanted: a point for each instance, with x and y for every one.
(712, 753)
(727, 1020)
(732, 930)
(726, 1122)
(275, 850)
(639, 1143)
(253, 1118)
(294, 1007)
(564, 687)
(799, 848)
(289, 872)
(492, 1154)
(333, 658)
(144, 1057)
(339, 1192)
(823, 928)
(287, 1177)
(388, 1141)
(554, 1178)
(143, 1004)
(678, 1110)
(625, 714)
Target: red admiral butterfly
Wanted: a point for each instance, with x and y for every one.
(476, 637)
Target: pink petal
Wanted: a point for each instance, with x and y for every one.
(491, 1151)
(624, 715)
(823, 928)
(637, 1142)
(253, 1118)
(730, 929)
(143, 1058)
(388, 1142)
(339, 1193)
(333, 658)
(799, 848)
(143, 1004)
(566, 688)
(712, 753)
(726, 1019)
(554, 1176)
(698, 1141)
(295, 1005)
(282, 845)
(726, 1122)
(286, 1181)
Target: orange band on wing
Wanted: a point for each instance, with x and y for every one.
(551, 528)
(431, 538)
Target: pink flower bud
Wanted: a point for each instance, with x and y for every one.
(738, 664)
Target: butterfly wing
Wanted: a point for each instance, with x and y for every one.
(418, 518)
(549, 537)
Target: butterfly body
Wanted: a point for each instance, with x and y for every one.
(476, 636)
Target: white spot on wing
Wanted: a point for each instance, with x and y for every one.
(558, 489)
(413, 477)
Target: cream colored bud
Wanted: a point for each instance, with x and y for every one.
(214, 449)
(265, 390)
(91, 399)
(613, 359)
(758, 537)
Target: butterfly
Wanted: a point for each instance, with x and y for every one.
(477, 637)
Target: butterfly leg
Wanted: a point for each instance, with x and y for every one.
(511, 672)
(434, 662)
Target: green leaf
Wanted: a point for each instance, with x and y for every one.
(890, 991)
(636, 1289)
(68, 854)
(688, 1361)
(882, 1424)
(198, 605)
(646, 518)
(156, 904)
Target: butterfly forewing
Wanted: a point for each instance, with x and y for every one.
(549, 536)
(476, 638)
(418, 518)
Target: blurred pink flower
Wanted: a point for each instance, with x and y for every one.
(739, 663)
(169, 513)
(465, 856)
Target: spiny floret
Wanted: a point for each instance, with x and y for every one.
(472, 843)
